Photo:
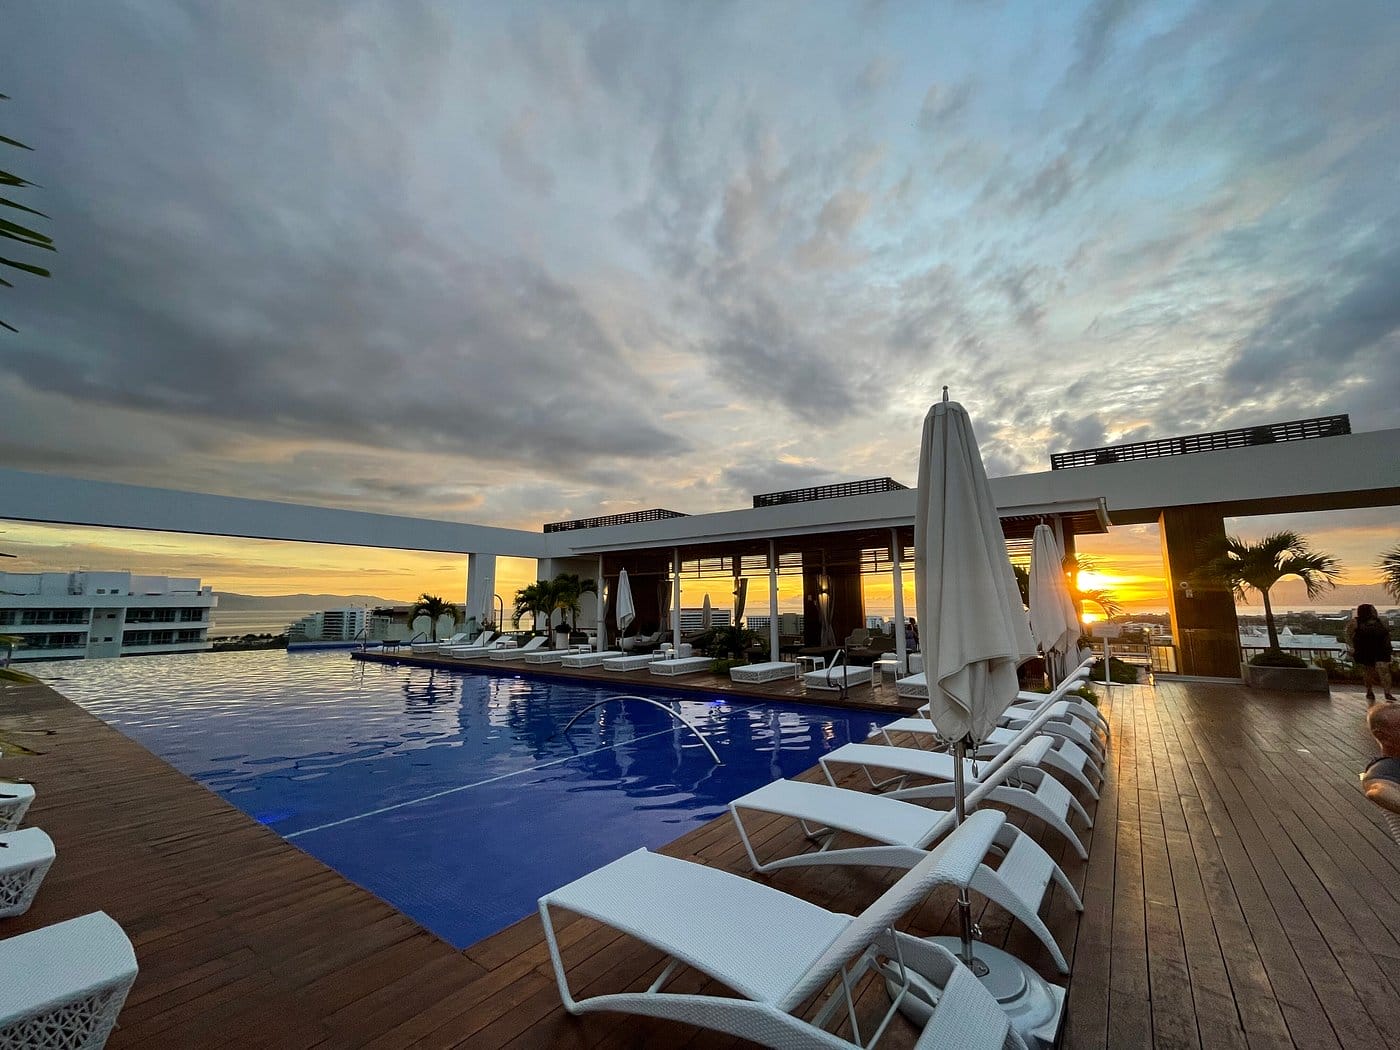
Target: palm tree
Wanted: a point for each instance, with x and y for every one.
(431, 606)
(1390, 571)
(569, 589)
(1258, 566)
(534, 600)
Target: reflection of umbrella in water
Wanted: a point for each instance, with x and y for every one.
(975, 635)
(1053, 622)
(626, 610)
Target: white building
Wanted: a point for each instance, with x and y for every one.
(330, 625)
(691, 619)
(95, 615)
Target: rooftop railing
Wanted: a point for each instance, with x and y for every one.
(845, 488)
(630, 518)
(1240, 437)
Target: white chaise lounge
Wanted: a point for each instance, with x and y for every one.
(65, 984)
(589, 659)
(829, 680)
(1036, 792)
(631, 662)
(15, 800)
(904, 832)
(769, 671)
(518, 652)
(487, 641)
(25, 857)
(428, 648)
(773, 952)
(681, 665)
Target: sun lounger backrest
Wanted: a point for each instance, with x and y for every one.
(953, 861)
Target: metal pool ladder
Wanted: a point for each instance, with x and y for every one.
(654, 703)
(844, 686)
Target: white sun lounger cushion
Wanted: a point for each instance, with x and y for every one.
(683, 665)
(64, 984)
(627, 663)
(915, 686)
(589, 659)
(25, 857)
(518, 652)
(14, 803)
(873, 816)
(850, 675)
(546, 656)
(769, 671)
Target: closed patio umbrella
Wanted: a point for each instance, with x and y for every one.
(707, 614)
(626, 610)
(974, 635)
(741, 594)
(1053, 622)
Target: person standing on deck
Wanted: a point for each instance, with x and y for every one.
(1381, 779)
(1371, 644)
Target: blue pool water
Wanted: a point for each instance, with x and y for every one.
(451, 794)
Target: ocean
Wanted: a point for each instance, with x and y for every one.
(235, 622)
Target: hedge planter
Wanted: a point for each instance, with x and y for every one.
(1285, 679)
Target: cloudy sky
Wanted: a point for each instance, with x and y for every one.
(517, 262)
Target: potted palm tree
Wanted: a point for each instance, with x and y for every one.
(534, 600)
(431, 606)
(1258, 566)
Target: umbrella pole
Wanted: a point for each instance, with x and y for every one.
(964, 905)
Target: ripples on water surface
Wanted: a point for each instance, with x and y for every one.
(452, 795)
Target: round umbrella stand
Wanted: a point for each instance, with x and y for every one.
(1033, 1004)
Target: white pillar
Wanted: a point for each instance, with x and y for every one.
(676, 599)
(772, 601)
(602, 609)
(901, 652)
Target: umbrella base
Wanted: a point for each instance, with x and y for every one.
(1034, 1005)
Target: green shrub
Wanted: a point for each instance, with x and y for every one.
(724, 666)
(1276, 658)
(1339, 670)
(1083, 690)
(1123, 673)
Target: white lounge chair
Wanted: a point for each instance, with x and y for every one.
(1034, 790)
(547, 656)
(519, 651)
(905, 832)
(774, 951)
(681, 665)
(769, 671)
(632, 662)
(65, 984)
(588, 659)
(829, 680)
(483, 645)
(14, 803)
(428, 648)
(1066, 756)
(25, 857)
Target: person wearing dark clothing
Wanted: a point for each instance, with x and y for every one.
(1371, 644)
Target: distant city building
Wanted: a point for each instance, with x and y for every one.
(691, 618)
(788, 623)
(330, 625)
(98, 615)
(882, 624)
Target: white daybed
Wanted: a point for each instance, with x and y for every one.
(770, 671)
(829, 679)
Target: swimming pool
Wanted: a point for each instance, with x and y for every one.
(450, 794)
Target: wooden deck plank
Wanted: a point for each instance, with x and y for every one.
(1239, 892)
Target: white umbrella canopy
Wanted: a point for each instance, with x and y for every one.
(707, 614)
(1053, 621)
(741, 594)
(974, 630)
(626, 610)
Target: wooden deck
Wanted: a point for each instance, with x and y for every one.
(1239, 893)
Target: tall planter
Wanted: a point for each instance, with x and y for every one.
(1285, 679)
